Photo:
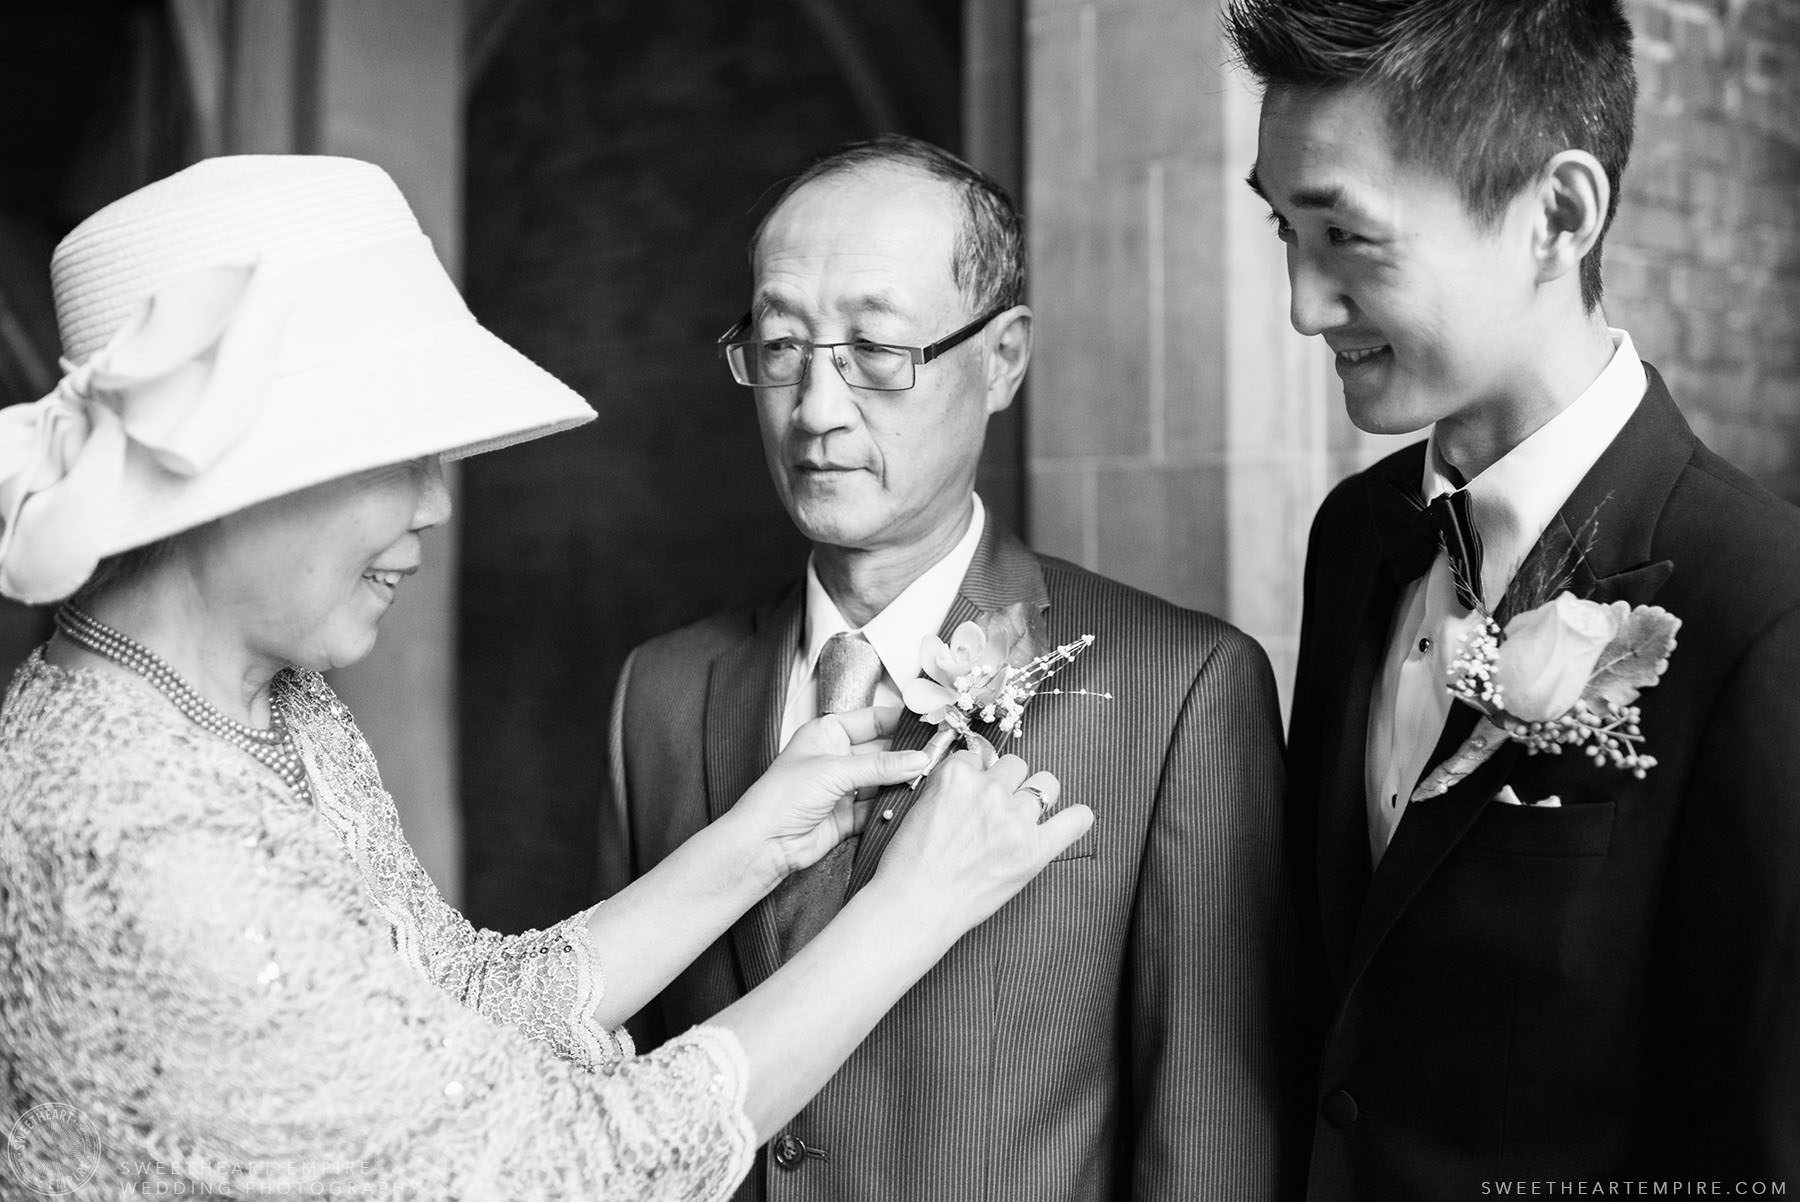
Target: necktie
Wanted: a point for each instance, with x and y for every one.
(1412, 531)
(849, 670)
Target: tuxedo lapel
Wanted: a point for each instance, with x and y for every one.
(1356, 622)
(1004, 571)
(1618, 504)
(1634, 586)
(744, 699)
(1343, 846)
(1621, 501)
(1424, 837)
(1623, 497)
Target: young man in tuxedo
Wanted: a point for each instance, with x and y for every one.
(1113, 1033)
(1555, 970)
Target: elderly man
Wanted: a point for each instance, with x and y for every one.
(1114, 1032)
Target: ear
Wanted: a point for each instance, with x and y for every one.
(1573, 195)
(1010, 356)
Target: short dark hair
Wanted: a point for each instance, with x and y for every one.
(987, 259)
(1485, 91)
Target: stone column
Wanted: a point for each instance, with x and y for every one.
(381, 82)
(1180, 433)
(993, 140)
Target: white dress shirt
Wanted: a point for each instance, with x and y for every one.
(895, 632)
(1511, 503)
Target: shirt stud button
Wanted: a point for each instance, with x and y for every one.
(1425, 645)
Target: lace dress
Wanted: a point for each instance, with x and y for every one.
(200, 992)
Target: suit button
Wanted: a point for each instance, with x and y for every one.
(1339, 1108)
(789, 1151)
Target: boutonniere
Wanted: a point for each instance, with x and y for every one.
(988, 671)
(1552, 671)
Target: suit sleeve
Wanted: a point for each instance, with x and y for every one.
(618, 858)
(1210, 945)
(1736, 898)
(614, 858)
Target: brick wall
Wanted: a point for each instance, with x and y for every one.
(1703, 266)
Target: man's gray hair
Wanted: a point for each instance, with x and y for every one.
(987, 259)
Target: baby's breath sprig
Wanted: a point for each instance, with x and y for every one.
(987, 672)
(1608, 734)
(1007, 710)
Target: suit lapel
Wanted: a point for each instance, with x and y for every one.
(1624, 494)
(1635, 586)
(1003, 571)
(1422, 840)
(1369, 593)
(744, 699)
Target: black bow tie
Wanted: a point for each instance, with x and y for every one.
(1412, 531)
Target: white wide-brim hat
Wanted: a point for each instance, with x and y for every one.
(246, 328)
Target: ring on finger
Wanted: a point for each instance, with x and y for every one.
(1043, 799)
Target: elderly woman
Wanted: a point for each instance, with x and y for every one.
(221, 968)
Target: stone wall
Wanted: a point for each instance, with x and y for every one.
(1178, 432)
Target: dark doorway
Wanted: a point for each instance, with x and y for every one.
(95, 104)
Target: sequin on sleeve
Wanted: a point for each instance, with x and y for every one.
(546, 983)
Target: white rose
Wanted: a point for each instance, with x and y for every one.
(1548, 655)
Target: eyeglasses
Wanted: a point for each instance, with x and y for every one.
(877, 366)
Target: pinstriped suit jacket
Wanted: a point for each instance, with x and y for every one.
(1113, 1031)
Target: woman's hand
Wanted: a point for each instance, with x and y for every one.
(805, 804)
(975, 837)
(968, 843)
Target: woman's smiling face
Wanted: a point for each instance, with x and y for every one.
(307, 577)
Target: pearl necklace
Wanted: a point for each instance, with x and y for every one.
(274, 748)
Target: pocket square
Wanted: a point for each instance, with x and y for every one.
(1506, 796)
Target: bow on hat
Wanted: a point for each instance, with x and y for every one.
(183, 378)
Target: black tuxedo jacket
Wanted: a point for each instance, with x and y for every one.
(1112, 1031)
(1609, 990)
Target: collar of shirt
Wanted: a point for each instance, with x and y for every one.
(1518, 495)
(895, 632)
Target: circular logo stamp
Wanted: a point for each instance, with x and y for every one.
(52, 1149)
